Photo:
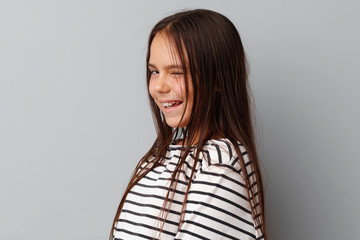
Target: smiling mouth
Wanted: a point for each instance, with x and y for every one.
(171, 104)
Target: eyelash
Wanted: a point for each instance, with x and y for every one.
(177, 73)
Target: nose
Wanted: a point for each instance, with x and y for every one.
(161, 85)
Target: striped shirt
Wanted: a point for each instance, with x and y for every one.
(217, 206)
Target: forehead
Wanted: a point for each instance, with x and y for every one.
(163, 51)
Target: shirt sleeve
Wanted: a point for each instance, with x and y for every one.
(217, 207)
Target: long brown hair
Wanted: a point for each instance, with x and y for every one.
(213, 58)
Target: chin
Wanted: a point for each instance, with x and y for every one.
(174, 124)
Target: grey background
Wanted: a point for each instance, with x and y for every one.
(74, 117)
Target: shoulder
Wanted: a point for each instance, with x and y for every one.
(221, 152)
(215, 157)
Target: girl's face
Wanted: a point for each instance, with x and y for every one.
(167, 82)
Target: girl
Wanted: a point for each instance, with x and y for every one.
(201, 178)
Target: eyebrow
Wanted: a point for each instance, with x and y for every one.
(166, 67)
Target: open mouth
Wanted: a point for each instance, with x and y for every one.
(171, 104)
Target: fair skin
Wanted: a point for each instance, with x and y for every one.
(167, 83)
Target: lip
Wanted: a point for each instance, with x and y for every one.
(169, 100)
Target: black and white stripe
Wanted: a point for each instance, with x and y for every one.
(217, 206)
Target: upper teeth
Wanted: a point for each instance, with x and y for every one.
(168, 104)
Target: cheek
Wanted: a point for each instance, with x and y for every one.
(181, 89)
(151, 89)
(190, 100)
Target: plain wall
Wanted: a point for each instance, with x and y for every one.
(74, 115)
